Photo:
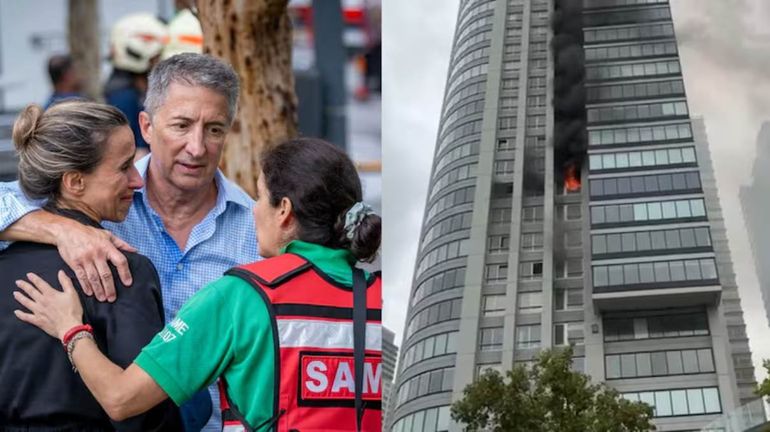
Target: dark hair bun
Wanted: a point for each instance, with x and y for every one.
(366, 238)
(25, 126)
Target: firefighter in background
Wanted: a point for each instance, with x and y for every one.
(184, 34)
(136, 42)
(295, 338)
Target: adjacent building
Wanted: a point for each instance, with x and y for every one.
(756, 208)
(570, 202)
(389, 359)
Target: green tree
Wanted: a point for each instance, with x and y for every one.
(548, 396)
(764, 387)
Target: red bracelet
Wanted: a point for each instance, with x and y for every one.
(75, 330)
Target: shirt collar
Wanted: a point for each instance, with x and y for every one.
(336, 263)
(227, 191)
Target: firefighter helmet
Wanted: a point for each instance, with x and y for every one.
(135, 40)
(184, 35)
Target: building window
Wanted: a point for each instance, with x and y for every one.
(535, 83)
(646, 242)
(530, 302)
(573, 239)
(510, 84)
(503, 167)
(496, 272)
(659, 363)
(570, 268)
(536, 101)
(511, 65)
(667, 403)
(681, 182)
(498, 243)
(531, 270)
(451, 224)
(433, 419)
(500, 215)
(532, 241)
(638, 32)
(491, 339)
(653, 326)
(648, 211)
(612, 92)
(451, 199)
(528, 336)
(448, 251)
(568, 333)
(439, 312)
(532, 214)
(606, 18)
(642, 159)
(568, 299)
(534, 141)
(433, 346)
(494, 305)
(505, 144)
(453, 155)
(507, 102)
(513, 50)
(640, 135)
(578, 364)
(453, 278)
(569, 212)
(435, 381)
(658, 272)
(505, 123)
(617, 52)
(538, 47)
(535, 121)
(451, 177)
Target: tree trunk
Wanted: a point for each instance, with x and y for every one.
(254, 36)
(83, 38)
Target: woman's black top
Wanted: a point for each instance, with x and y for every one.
(38, 389)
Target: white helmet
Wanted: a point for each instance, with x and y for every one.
(135, 40)
(184, 35)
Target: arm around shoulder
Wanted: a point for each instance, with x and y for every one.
(14, 205)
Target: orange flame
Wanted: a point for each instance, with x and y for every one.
(571, 179)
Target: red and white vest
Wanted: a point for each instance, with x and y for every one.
(313, 328)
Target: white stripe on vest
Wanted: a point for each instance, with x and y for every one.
(234, 428)
(306, 333)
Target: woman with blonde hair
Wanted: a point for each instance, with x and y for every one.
(78, 156)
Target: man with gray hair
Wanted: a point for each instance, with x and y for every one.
(191, 221)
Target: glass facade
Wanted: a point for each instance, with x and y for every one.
(528, 244)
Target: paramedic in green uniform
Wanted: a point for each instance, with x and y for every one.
(224, 329)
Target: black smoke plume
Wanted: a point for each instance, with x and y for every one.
(569, 95)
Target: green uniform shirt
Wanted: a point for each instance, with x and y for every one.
(225, 330)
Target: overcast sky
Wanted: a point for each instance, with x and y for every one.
(725, 54)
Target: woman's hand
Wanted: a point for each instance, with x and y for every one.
(53, 311)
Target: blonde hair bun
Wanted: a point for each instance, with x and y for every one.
(25, 126)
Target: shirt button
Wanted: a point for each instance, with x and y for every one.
(179, 266)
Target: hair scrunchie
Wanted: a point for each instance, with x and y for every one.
(354, 216)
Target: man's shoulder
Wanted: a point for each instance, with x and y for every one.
(31, 255)
(139, 262)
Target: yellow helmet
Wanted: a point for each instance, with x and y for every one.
(135, 40)
(185, 35)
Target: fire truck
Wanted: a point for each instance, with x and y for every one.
(360, 37)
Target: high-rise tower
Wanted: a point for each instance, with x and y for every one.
(566, 206)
